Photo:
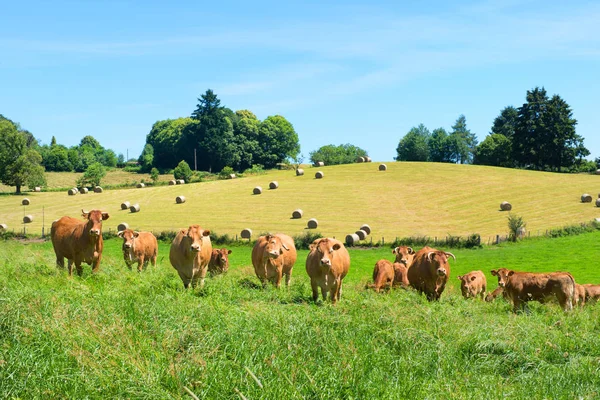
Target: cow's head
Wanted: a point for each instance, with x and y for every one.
(128, 236)
(193, 237)
(502, 275)
(221, 258)
(95, 218)
(440, 261)
(404, 255)
(325, 248)
(275, 246)
(467, 285)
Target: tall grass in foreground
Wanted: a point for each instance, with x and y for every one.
(120, 334)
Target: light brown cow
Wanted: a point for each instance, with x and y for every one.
(272, 257)
(386, 274)
(473, 284)
(579, 298)
(430, 271)
(497, 292)
(190, 254)
(327, 264)
(140, 247)
(592, 292)
(521, 287)
(404, 255)
(219, 261)
(79, 241)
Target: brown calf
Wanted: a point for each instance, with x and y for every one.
(139, 246)
(473, 284)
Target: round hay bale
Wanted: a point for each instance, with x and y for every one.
(299, 172)
(505, 206)
(134, 208)
(25, 201)
(246, 233)
(140, 185)
(180, 181)
(361, 234)
(83, 190)
(27, 219)
(172, 182)
(360, 160)
(297, 214)
(231, 176)
(586, 198)
(76, 190)
(3, 227)
(125, 205)
(367, 159)
(598, 202)
(352, 239)
(180, 199)
(122, 226)
(98, 189)
(366, 228)
(319, 164)
(319, 175)
(598, 172)
(312, 223)
(37, 189)
(72, 192)
(273, 185)
(382, 167)
(257, 190)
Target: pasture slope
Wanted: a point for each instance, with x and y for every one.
(409, 199)
(121, 334)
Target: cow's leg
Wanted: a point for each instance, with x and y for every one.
(277, 278)
(334, 291)
(79, 267)
(324, 293)
(70, 266)
(140, 263)
(483, 290)
(315, 290)
(339, 291)
(288, 278)
(184, 279)
(153, 260)
(96, 263)
(60, 261)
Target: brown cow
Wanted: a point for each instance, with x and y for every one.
(473, 284)
(387, 274)
(522, 287)
(404, 255)
(190, 254)
(327, 264)
(579, 295)
(219, 261)
(139, 246)
(497, 292)
(272, 257)
(430, 271)
(592, 292)
(79, 241)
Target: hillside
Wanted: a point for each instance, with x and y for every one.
(406, 200)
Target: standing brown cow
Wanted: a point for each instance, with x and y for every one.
(219, 261)
(592, 292)
(404, 255)
(521, 287)
(327, 264)
(138, 246)
(190, 254)
(79, 241)
(272, 257)
(387, 274)
(430, 271)
(473, 284)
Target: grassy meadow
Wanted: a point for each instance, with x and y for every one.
(409, 199)
(121, 334)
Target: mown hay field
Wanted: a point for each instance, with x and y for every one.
(123, 334)
(409, 199)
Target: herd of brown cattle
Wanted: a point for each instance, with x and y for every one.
(327, 263)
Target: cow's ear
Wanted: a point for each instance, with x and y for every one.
(459, 277)
(228, 251)
(336, 246)
(473, 278)
(136, 234)
(105, 216)
(411, 251)
(120, 234)
(494, 272)
(206, 232)
(311, 247)
(510, 273)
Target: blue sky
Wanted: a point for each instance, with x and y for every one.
(359, 72)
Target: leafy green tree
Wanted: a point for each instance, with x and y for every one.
(146, 159)
(53, 141)
(208, 105)
(439, 146)
(462, 142)
(335, 155)
(20, 164)
(246, 133)
(56, 158)
(495, 150)
(154, 175)
(414, 145)
(92, 176)
(120, 160)
(529, 142)
(506, 123)
(182, 171)
(278, 141)
(167, 139)
(565, 147)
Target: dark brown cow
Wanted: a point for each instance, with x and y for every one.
(190, 254)
(592, 292)
(274, 256)
(140, 247)
(430, 271)
(473, 284)
(497, 292)
(219, 261)
(79, 241)
(522, 287)
(327, 264)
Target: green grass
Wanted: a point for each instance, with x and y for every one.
(409, 199)
(120, 334)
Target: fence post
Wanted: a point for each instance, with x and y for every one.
(497, 239)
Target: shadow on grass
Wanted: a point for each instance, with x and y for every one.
(250, 284)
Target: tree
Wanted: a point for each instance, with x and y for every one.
(20, 164)
(167, 138)
(53, 141)
(462, 142)
(335, 155)
(531, 134)
(506, 123)
(439, 146)
(565, 147)
(154, 175)
(183, 171)
(146, 159)
(56, 158)
(120, 160)
(495, 150)
(278, 141)
(414, 145)
(208, 104)
(92, 176)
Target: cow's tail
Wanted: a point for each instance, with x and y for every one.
(573, 290)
